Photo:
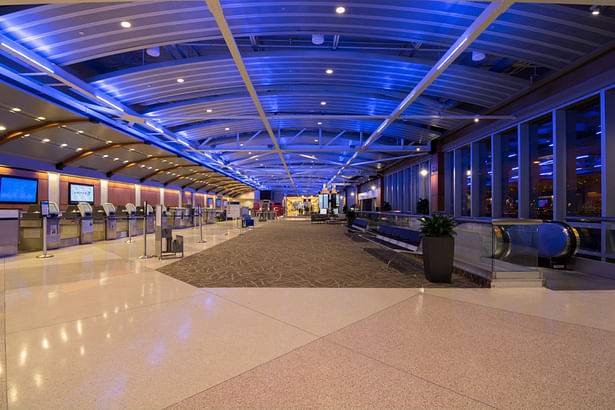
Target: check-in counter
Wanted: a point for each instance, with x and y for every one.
(126, 219)
(145, 218)
(105, 223)
(31, 228)
(209, 216)
(9, 226)
(176, 217)
(164, 218)
(188, 216)
(77, 225)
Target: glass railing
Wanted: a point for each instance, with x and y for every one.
(483, 246)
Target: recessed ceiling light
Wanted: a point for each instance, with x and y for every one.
(16, 109)
(319, 123)
(2, 128)
(329, 71)
(209, 110)
(149, 167)
(241, 145)
(109, 142)
(475, 119)
(125, 24)
(132, 149)
(180, 80)
(46, 140)
(79, 132)
(79, 149)
(418, 149)
(64, 145)
(469, 172)
(116, 159)
(105, 156)
(26, 135)
(323, 103)
(150, 155)
(227, 129)
(340, 9)
(249, 152)
(41, 118)
(125, 161)
(142, 166)
(315, 140)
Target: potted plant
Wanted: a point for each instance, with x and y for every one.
(437, 231)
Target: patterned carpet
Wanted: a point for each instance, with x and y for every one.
(300, 254)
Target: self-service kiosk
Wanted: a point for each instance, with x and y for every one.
(126, 219)
(81, 217)
(105, 222)
(145, 218)
(31, 228)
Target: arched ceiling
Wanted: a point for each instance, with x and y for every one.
(244, 85)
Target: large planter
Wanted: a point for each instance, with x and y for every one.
(438, 252)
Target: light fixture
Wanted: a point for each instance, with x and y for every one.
(241, 145)
(132, 149)
(209, 110)
(323, 103)
(79, 132)
(329, 71)
(227, 129)
(595, 9)
(116, 159)
(424, 172)
(315, 139)
(478, 56)
(352, 194)
(41, 118)
(126, 24)
(105, 156)
(2, 128)
(180, 80)
(475, 119)
(125, 161)
(249, 152)
(46, 140)
(319, 123)
(16, 109)
(109, 142)
(64, 145)
(469, 172)
(340, 9)
(79, 149)
(373, 187)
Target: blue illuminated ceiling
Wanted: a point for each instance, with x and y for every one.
(171, 76)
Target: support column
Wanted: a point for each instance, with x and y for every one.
(559, 165)
(53, 187)
(457, 182)
(496, 176)
(447, 180)
(475, 179)
(104, 191)
(180, 198)
(137, 195)
(523, 133)
(161, 196)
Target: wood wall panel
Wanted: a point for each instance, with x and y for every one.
(171, 197)
(43, 191)
(65, 179)
(151, 195)
(121, 194)
(199, 199)
(187, 198)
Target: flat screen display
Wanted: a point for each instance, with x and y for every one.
(17, 190)
(80, 193)
(210, 202)
(225, 203)
(218, 203)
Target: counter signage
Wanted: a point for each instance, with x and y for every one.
(44, 208)
(233, 209)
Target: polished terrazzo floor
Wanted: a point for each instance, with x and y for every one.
(95, 327)
(297, 254)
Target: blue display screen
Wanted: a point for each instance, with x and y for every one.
(18, 190)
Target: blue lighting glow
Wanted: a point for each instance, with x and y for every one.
(582, 156)
(110, 103)
(512, 155)
(30, 59)
(452, 53)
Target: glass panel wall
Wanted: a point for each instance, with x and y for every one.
(510, 173)
(484, 176)
(541, 168)
(583, 135)
(466, 175)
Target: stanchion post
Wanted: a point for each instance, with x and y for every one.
(145, 217)
(45, 255)
(201, 240)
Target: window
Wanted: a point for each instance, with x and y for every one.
(466, 181)
(541, 168)
(584, 173)
(510, 173)
(484, 176)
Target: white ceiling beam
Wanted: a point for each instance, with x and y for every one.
(482, 22)
(30, 2)
(216, 10)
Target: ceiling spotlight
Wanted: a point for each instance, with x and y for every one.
(132, 149)
(595, 9)
(424, 172)
(319, 123)
(329, 71)
(105, 156)
(249, 152)
(469, 172)
(227, 129)
(478, 56)
(209, 110)
(64, 145)
(418, 148)
(79, 149)
(475, 119)
(125, 161)
(109, 142)
(2, 128)
(46, 140)
(15, 109)
(323, 103)
(340, 10)
(241, 145)
(125, 24)
(79, 132)
(41, 118)
(180, 80)
(373, 187)
(153, 51)
(315, 140)
(116, 159)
